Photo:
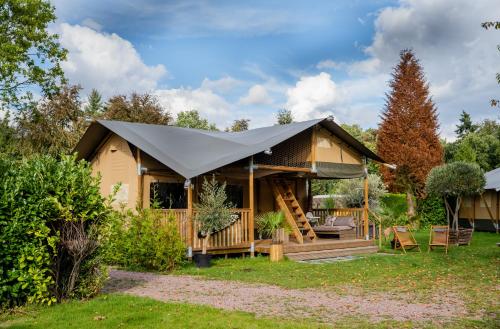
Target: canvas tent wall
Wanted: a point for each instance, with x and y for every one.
(483, 212)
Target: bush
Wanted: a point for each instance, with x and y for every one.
(51, 215)
(352, 191)
(144, 240)
(431, 211)
(394, 203)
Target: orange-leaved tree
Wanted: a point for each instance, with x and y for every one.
(408, 134)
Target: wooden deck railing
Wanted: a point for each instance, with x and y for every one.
(357, 213)
(236, 234)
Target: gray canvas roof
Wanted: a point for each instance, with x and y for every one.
(191, 152)
(492, 180)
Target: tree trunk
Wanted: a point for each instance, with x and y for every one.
(457, 209)
(411, 204)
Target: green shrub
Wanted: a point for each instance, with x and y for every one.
(144, 240)
(352, 191)
(395, 203)
(431, 211)
(51, 214)
(213, 212)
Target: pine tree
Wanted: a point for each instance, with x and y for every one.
(408, 133)
(465, 126)
(95, 106)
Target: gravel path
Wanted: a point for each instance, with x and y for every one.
(268, 300)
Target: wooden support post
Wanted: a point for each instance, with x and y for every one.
(474, 212)
(309, 195)
(140, 178)
(365, 208)
(252, 208)
(313, 150)
(498, 210)
(190, 230)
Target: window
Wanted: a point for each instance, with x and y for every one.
(168, 195)
(235, 195)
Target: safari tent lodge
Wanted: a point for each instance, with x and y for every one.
(265, 169)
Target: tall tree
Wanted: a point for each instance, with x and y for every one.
(94, 105)
(53, 125)
(481, 146)
(494, 25)
(239, 125)
(192, 119)
(408, 133)
(29, 54)
(143, 108)
(284, 117)
(465, 126)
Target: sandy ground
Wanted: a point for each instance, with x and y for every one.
(268, 300)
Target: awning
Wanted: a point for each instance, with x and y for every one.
(339, 170)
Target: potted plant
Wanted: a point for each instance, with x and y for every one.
(273, 224)
(213, 213)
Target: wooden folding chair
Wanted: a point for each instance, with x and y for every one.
(439, 237)
(404, 239)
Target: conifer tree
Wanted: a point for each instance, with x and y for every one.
(465, 126)
(408, 134)
(95, 105)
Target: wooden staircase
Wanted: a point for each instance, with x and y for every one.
(294, 214)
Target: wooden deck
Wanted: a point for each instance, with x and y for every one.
(263, 246)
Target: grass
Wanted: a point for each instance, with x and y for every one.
(121, 311)
(470, 271)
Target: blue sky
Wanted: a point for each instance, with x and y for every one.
(232, 59)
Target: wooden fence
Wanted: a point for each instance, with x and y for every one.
(236, 234)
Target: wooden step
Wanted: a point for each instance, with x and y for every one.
(321, 254)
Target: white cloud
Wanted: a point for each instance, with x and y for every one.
(458, 56)
(223, 85)
(329, 64)
(209, 104)
(313, 97)
(257, 95)
(105, 62)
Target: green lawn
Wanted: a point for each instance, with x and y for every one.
(471, 271)
(120, 311)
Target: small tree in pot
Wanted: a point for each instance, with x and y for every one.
(454, 181)
(274, 225)
(213, 213)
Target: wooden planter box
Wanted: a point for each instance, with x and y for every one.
(464, 236)
(276, 252)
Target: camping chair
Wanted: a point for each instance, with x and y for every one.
(404, 239)
(439, 237)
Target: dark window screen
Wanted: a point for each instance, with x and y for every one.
(169, 195)
(235, 195)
